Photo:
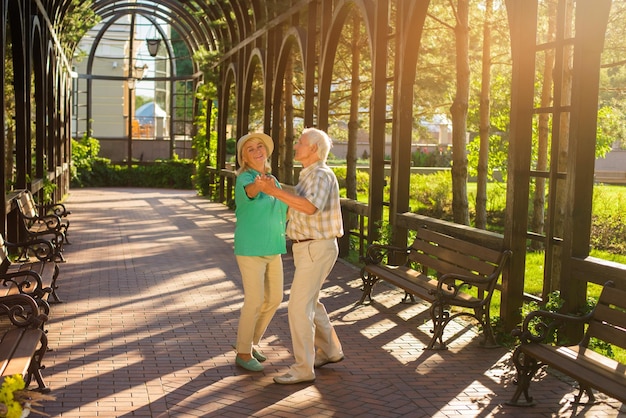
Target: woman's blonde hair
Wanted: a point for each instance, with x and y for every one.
(244, 165)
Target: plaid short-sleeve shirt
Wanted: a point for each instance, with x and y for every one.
(318, 184)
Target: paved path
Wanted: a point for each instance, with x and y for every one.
(152, 297)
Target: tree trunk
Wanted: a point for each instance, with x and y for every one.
(458, 111)
(485, 121)
(287, 151)
(353, 123)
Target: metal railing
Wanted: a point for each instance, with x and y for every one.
(355, 215)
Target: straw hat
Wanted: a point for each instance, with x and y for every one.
(266, 139)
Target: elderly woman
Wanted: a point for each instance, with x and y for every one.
(259, 243)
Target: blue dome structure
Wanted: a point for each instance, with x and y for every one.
(147, 113)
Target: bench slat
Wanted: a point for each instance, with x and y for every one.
(580, 368)
(450, 259)
(595, 359)
(8, 345)
(22, 357)
(413, 282)
(461, 246)
(613, 296)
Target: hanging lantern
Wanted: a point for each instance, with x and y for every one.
(153, 46)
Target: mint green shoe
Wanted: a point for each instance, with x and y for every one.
(253, 364)
(255, 353)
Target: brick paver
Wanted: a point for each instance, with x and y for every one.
(152, 297)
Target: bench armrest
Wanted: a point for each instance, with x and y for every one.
(26, 281)
(57, 209)
(376, 253)
(42, 249)
(539, 325)
(52, 222)
(455, 283)
(22, 310)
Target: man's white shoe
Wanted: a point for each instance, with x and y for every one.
(288, 379)
(323, 360)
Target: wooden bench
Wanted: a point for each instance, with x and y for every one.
(607, 322)
(443, 270)
(42, 226)
(23, 343)
(54, 208)
(36, 277)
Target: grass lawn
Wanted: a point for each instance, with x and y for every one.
(609, 203)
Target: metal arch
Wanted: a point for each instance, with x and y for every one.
(114, 18)
(241, 17)
(329, 50)
(193, 13)
(110, 7)
(197, 11)
(22, 129)
(148, 16)
(220, 33)
(293, 36)
(228, 84)
(232, 30)
(200, 11)
(256, 55)
(38, 91)
(259, 12)
(411, 19)
(297, 35)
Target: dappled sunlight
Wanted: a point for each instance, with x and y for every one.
(149, 322)
(405, 348)
(378, 328)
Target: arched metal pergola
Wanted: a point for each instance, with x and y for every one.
(267, 36)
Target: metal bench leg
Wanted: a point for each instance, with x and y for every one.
(526, 368)
(482, 315)
(54, 286)
(440, 317)
(408, 298)
(368, 284)
(591, 399)
(34, 370)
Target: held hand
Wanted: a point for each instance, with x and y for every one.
(266, 183)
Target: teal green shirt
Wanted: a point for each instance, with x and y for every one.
(261, 221)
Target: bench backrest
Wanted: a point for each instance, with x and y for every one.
(608, 322)
(5, 261)
(443, 254)
(26, 205)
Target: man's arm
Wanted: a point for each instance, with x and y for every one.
(295, 202)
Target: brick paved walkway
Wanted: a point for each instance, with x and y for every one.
(152, 297)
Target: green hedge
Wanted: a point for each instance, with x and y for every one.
(89, 170)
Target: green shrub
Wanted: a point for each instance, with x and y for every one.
(89, 170)
(608, 227)
(85, 161)
(432, 193)
(340, 173)
(438, 157)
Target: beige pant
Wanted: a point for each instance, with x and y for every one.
(309, 324)
(262, 279)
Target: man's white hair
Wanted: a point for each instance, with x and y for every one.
(321, 139)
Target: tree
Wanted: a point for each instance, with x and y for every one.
(458, 111)
(485, 122)
(353, 123)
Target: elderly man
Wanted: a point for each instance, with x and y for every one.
(314, 224)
